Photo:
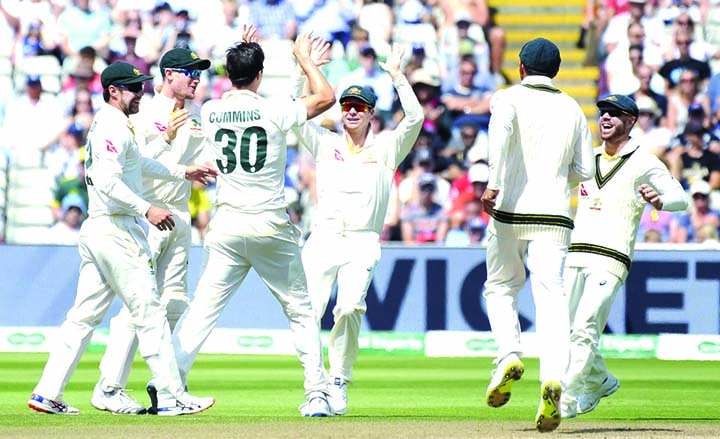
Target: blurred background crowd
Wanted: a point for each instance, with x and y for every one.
(663, 53)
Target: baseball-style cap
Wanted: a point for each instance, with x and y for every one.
(121, 73)
(700, 187)
(623, 103)
(181, 58)
(479, 173)
(541, 55)
(427, 179)
(694, 127)
(33, 80)
(359, 92)
(73, 200)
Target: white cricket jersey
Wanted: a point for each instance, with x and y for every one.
(539, 143)
(610, 207)
(150, 125)
(247, 135)
(114, 166)
(353, 186)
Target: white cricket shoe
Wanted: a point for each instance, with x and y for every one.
(44, 405)
(568, 406)
(116, 401)
(508, 370)
(316, 406)
(588, 401)
(337, 396)
(186, 404)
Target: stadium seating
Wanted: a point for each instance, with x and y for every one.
(46, 66)
(29, 194)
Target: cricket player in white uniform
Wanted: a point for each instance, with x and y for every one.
(251, 227)
(354, 171)
(610, 205)
(539, 145)
(168, 130)
(115, 257)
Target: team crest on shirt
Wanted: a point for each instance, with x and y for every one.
(597, 204)
(370, 158)
(583, 191)
(110, 147)
(338, 156)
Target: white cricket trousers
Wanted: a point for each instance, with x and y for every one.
(506, 277)
(115, 259)
(591, 295)
(170, 251)
(277, 261)
(347, 260)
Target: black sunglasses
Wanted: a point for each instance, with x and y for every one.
(132, 88)
(612, 112)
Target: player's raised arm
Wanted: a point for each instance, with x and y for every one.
(322, 96)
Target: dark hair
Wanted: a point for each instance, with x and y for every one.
(531, 72)
(243, 62)
(106, 95)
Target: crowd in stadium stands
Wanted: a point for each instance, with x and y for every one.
(663, 53)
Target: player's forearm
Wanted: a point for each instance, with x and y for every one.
(160, 170)
(121, 195)
(323, 96)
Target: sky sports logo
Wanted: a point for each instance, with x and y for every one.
(20, 339)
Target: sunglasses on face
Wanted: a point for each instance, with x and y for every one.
(612, 112)
(192, 74)
(132, 88)
(357, 106)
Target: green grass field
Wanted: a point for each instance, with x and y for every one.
(392, 397)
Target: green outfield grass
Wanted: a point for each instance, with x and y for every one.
(393, 396)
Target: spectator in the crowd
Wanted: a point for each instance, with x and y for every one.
(616, 31)
(467, 103)
(81, 25)
(131, 38)
(424, 163)
(330, 20)
(471, 229)
(698, 49)
(67, 230)
(477, 176)
(82, 111)
(36, 40)
(657, 221)
(424, 221)
(273, 18)
(437, 116)
(687, 226)
(673, 69)
(377, 18)
(64, 161)
(200, 207)
(687, 96)
(646, 131)
(84, 78)
(70, 185)
(20, 132)
(696, 162)
(651, 85)
(164, 32)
